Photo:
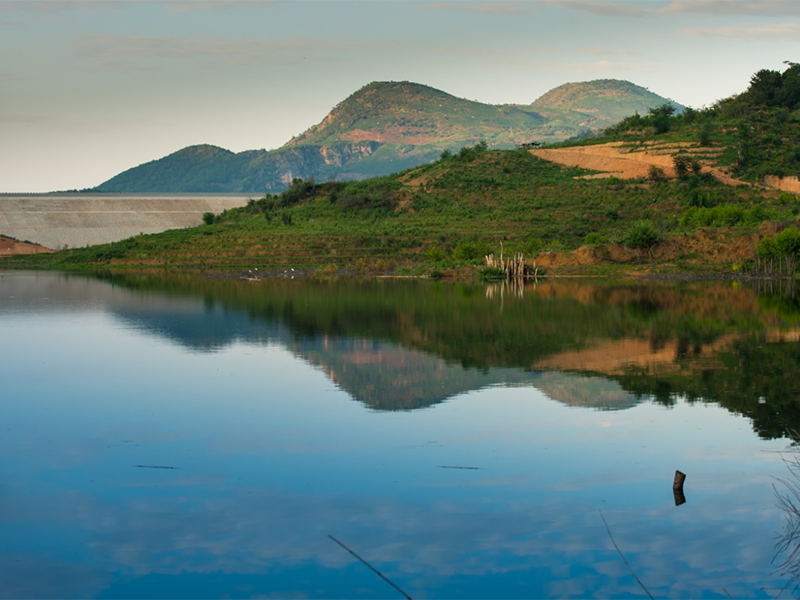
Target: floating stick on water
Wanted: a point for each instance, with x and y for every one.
(468, 468)
(622, 556)
(374, 570)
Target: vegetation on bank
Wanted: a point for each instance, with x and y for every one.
(448, 213)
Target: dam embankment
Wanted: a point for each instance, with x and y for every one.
(75, 220)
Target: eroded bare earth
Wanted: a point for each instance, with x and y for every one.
(10, 247)
(625, 162)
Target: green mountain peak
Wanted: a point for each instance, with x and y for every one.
(411, 113)
(386, 127)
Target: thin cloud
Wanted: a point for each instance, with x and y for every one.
(734, 8)
(717, 8)
(509, 9)
(602, 9)
(120, 52)
(486, 53)
(768, 32)
(594, 51)
(172, 6)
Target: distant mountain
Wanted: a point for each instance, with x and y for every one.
(407, 113)
(387, 127)
(595, 104)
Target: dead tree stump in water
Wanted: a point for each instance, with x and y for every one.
(677, 488)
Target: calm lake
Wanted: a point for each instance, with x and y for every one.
(177, 436)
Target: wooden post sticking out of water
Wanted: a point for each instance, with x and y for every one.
(677, 488)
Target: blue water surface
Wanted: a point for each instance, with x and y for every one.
(136, 464)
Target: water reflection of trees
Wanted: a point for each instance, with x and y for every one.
(719, 342)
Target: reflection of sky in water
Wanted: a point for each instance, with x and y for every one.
(270, 457)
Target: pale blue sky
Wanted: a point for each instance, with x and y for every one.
(90, 88)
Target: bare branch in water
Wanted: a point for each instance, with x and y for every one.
(622, 556)
(374, 570)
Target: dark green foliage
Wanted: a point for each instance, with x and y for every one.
(706, 130)
(377, 193)
(435, 254)
(655, 174)
(724, 216)
(471, 251)
(775, 89)
(594, 239)
(660, 117)
(642, 234)
(101, 253)
(470, 153)
(208, 218)
(660, 120)
(492, 274)
(779, 254)
(785, 243)
(681, 165)
(298, 191)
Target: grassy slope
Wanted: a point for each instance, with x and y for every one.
(432, 212)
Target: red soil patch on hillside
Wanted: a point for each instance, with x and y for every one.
(9, 247)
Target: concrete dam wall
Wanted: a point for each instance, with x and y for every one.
(75, 220)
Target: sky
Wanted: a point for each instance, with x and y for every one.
(90, 88)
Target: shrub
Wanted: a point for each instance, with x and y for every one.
(728, 215)
(378, 193)
(767, 248)
(682, 165)
(593, 239)
(297, 191)
(531, 247)
(705, 133)
(435, 254)
(788, 241)
(642, 234)
(655, 174)
(208, 218)
(491, 273)
(660, 117)
(468, 251)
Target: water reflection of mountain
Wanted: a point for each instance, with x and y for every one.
(406, 345)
